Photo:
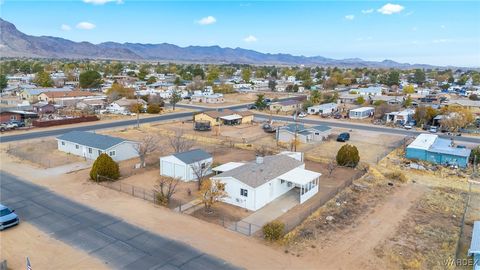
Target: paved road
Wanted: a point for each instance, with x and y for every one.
(349, 125)
(120, 244)
(56, 132)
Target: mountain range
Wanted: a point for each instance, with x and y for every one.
(14, 43)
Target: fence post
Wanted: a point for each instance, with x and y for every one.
(236, 223)
(249, 229)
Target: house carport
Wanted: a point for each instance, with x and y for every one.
(233, 119)
(304, 179)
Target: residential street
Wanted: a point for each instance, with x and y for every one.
(116, 242)
(331, 123)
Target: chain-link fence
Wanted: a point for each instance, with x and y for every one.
(301, 215)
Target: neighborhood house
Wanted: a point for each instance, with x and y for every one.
(255, 184)
(286, 134)
(186, 165)
(327, 108)
(90, 145)
(431, 148)
(286, 106)
(224, 117)
(361, 113)
(474, 249)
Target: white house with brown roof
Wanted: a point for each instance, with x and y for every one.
(123, 105)
(66, 98)
(254, 184)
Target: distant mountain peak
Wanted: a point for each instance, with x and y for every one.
(17, 44)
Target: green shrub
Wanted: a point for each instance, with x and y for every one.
(154, 109)
(273, 230)
(475, 155)
(104, 168)
(348, 156)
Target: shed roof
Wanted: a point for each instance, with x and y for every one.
(90, 139)
(475, 244)
(423, 141)
(192, 156)
(256, 174)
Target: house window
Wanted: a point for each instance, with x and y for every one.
(203, 166)
(63, 143)
(317, 133)
(112, 153)
(13, 117)
(89, 150)
(76, 146)
(244, 192)
(99, 152)
(282, 181)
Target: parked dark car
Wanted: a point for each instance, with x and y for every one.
(7, 217)
(337, 116)
(251, 107)
(343, 137)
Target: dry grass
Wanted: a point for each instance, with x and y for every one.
(345, 208)
(43, 153)
(429, 234)
(397, 176)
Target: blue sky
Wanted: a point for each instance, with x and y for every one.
(432, 32)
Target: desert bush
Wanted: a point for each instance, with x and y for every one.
(105, 167)
(348, 156)
(397, 175)
(273, 230)
(154, 109)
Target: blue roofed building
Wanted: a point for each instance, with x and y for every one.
(474, 249)
(90, 145)
(432, 148)
(286, 134)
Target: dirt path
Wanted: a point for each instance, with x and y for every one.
(237, 249)
(44, 252)
(354, 249)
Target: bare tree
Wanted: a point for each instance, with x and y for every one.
(263, 151)
(166, 187)
(201, 170)
(146, 146)
(331, 166)
(179, 143)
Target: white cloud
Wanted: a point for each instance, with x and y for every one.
(65, 27)
(350, 17)
(390, 9)
(85, 25)
(207, 20)
(367, 11)
(250, 39)
(102, 2)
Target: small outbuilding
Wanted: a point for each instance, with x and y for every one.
(90, 145)
(183, 165)
(474, 249)
(431, 148)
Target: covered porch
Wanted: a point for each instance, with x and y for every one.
(231, 120)
(307, 181)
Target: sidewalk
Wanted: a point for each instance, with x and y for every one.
(273, 210)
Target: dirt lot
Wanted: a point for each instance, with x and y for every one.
(410, 225)
(371, 146)
(222, 214)
(43, 153)
(44, 252)
(148, 181)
